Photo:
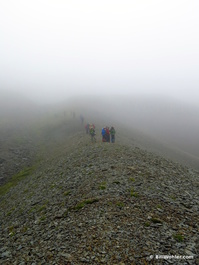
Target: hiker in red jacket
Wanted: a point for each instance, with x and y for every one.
(107, 134)
(87, 128)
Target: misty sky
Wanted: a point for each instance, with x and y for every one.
(54, 49)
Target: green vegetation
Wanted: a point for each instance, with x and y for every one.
(39, 208)
(66, 193)
(156, 221)
(133, 194)
(120, 204)
(33, 209)
(10, 212)
(173, 197)
(102, 186)
(147, 224)
(42, 218)
(16, 179)
(80, 205)
(178, 237)
(42, 208)
(132, 179)
(11, 231)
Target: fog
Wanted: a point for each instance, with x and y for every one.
(52, 50)
(134, 63)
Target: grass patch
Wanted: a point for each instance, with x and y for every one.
(80, 205)
(90, 201)
(156, 221)
(11, 231)
(16, 179)
(132, 179)
(102, 186)
(11, 211)
(133, 194)
(178, 237)
(42, 218)
(66, 193)
(42, 208)
(173, 197)
(33, 209)
(120, 204)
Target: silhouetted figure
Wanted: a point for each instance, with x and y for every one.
(87, 128)
(81, 119)
(92, 134)
(112, 134)
(107, 134)
(103, 134)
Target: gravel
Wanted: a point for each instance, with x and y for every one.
(102, 203)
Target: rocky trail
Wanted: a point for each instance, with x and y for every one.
(101, 203)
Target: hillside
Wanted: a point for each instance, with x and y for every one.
(98, 203)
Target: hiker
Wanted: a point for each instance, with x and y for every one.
(107, 134)
(92, 134)
(112, 133)
(91, 125)
(103, 134)
(87, 128)
(81, 119)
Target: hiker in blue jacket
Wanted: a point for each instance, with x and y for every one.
(103, 134)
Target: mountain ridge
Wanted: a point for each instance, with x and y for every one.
(100, 203)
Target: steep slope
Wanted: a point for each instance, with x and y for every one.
(101, 203)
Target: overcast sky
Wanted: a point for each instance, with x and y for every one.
(54, 49)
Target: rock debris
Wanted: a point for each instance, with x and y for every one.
(101, 203)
